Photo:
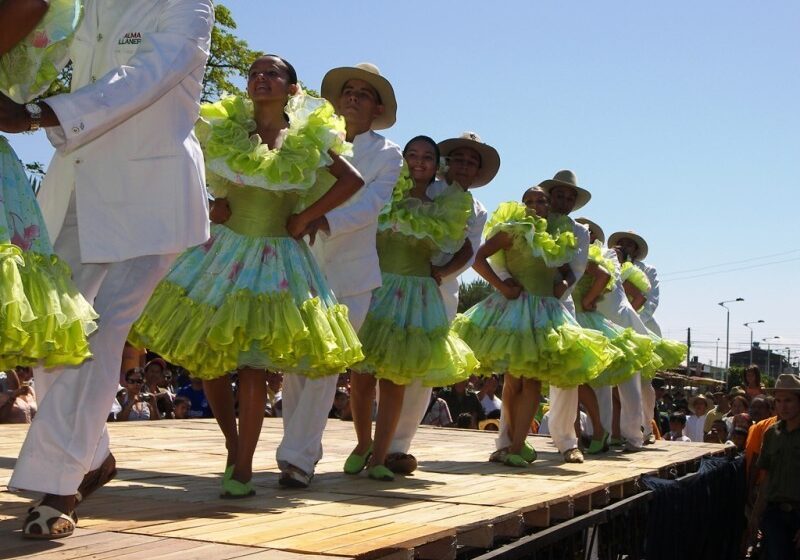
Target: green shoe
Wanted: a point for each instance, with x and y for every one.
(514, 460)
(228, 474)
(528, 452)
(233, 489)
(600, 446)
(380, 472)
(354, 464)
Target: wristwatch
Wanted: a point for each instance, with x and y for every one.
(35, 113)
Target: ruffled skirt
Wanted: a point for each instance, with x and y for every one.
(406, 335)
(240, 301)
(637, 350)
(534, 337)
(671, 352)
(43, 317)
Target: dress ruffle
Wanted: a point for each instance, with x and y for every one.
(248, 301)
(637, 351)
(534, 337)
(671, 352)
(514, 219)
(406, 335)
(27, 70)
(630, 273)
(597, 256)
(43, 317)
(234, 151)
(443, 221)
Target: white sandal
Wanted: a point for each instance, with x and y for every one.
(45, 522)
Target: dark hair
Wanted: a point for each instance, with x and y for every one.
(464, 420)
(289, 68)
(536, 189)
(754, 368)
(182, 400)
(678, 417)
(738, 430)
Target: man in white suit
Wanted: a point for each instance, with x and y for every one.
(123, 195)
(345, 250)
(635, 247)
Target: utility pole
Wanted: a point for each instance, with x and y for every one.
(688, 350)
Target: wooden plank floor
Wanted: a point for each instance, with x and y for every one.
(165, 504)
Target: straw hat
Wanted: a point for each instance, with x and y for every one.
(594, 228)
(335, 79)
(490, 159)
(786, 382)
(635, 237)
(566, 178)
(695, 399)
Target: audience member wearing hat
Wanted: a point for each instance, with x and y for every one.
(470, 163)
(696, 421)
(345, 249)
(777, 508)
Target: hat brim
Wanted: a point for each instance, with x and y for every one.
(594, 228)
(617, 235)
(695, 399)
(490, 159)
(335, 79)
(581, 199)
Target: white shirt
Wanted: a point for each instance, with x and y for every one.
(578, 262)
(614, 304)
(694, 427)
(126, 142)
(490, 404)
(348, 256)
(474, 232)
(651, 301)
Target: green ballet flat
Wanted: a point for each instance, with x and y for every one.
(528, 452)
(228, 474)
(600, 446)
(380, 472)
(354, 463)
(233, 489)
(514, 460)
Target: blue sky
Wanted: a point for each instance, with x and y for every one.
(680, 117)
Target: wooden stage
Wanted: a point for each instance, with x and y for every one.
(165, 501)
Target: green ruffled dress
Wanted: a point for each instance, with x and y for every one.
(533, 336)
(43, 318)
(252, 295)
(406, 334)
(671, 352)
(637, 350)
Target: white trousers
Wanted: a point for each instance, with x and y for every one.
(630, 417)
(563, 413)
(307, 402)
(68, 436)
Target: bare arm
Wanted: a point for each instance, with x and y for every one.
(634, 294)
(496, 243)
(599, 280)
(17, 19)
(348, 181)
(460, 258)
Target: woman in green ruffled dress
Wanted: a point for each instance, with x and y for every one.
(406, 334)
(252, 298)
(523, 329)
(43, 317)
(636, 285)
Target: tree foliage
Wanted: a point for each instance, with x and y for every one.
(471, 293)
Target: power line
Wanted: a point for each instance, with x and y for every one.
(761, 257)
(729, 270)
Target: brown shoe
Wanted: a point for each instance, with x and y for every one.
(401, 463)
(573, 455)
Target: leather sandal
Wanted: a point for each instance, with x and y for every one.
(401, 463)
(232, 489)
(380, 472)
(498, 455)
(573, 455)
(294, 477)
(355, 463)
(45, 522)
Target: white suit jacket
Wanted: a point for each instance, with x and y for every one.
(614, 305)
(348, 256)
(651, 303)
(126, 142)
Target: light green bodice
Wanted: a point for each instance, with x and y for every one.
(404, 255)
(530, 271)
(260, 213)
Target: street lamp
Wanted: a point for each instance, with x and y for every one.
(769, 350)
(728, 330)
(751, 335)
(716, 359)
